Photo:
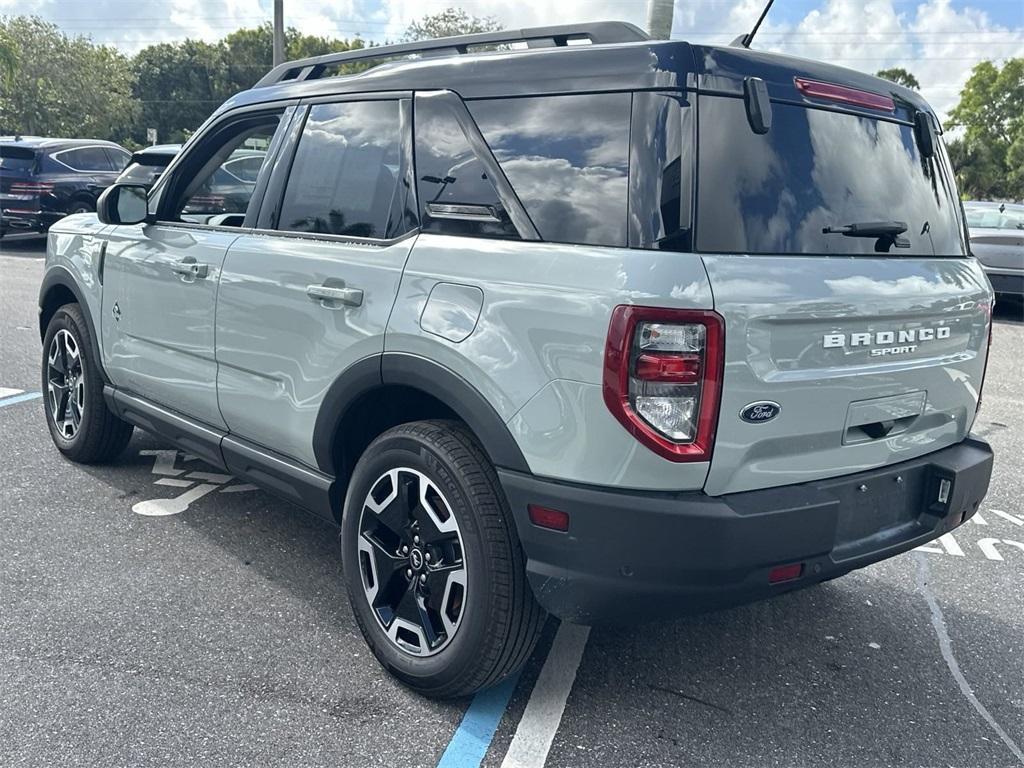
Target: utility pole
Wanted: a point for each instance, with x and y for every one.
(659, 18)
(278, 32)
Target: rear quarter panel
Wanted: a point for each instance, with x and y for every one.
(537, 350)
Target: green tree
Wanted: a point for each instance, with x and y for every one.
(8, 62)
(180, 84)
(63, 86)
(989, 154)
(448, 23)
(900, 76)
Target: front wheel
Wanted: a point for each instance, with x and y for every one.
(81, 425)
(433, 566)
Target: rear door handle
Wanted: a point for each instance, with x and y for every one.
(189, 269)
(335, 296)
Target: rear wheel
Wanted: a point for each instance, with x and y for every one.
(432, 563)
(81, 425)
(82, 206)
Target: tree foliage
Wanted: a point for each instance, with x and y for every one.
(63, 86)
(900, 76)
(448, 23)
(989, 154)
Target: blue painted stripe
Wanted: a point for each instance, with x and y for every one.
(473, 736)
(20, 398)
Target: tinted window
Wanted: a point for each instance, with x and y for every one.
(118, 159)
(449, 173)
(17, 159)
(774, 193)
(661, 172)
(346, 170)
(136, 173)
(567, 157)
(216, 191)
(85, 159)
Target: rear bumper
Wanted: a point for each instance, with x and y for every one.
(14, 221)
(1006, 281)
(635, 555)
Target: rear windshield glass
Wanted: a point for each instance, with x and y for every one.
(815, 169)
(17, 159)
(994, 217)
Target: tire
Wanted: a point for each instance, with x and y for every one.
(82, 206)
(487, 616)
(81, 425)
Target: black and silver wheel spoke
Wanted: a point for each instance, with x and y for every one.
(411, 560)
(65, 383)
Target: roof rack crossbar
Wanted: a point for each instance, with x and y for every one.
(598, 33)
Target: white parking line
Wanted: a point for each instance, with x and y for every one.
(7, 392)
(1007, 516)
(539, 724)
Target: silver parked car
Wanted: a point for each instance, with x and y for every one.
(997, 239)
(612, 331)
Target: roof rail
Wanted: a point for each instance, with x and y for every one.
(598, 33)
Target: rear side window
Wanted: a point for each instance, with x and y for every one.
(346, 170)
(567, 157)
(816, 168)
(85, 159)
(456, 194)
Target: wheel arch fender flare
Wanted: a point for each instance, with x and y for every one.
(427, 376)
(60, 280)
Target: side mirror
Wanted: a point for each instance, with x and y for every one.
(123, 204)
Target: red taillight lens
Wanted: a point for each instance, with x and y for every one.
(553, 519)
(31, 188)
(840, 93)
(662, 377)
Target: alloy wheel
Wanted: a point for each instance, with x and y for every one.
(65, 384)
(412, 561)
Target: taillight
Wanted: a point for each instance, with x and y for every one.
(663, 376)
(31, 188)
(844, 95)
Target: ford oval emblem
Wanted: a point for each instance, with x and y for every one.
(761, 411)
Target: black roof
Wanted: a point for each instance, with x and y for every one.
(639, 65)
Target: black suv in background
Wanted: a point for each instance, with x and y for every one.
(43, 180)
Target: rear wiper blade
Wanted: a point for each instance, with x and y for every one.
(868, 229)
(887, 232)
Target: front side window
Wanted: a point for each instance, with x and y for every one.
(347, 171)
(567, 157)
(214, 190)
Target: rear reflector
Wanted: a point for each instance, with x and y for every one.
(552, 519)
(781, 573)
(840, 93)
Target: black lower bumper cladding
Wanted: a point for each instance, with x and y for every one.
(635, 555)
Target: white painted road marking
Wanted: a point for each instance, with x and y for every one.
(946, 647)
(978, 519)
(163, 462)
(174, 482)
(949, 546)
(988, 546)
(8, 392)
(1007, 516)
(173, 506)
(539, 724)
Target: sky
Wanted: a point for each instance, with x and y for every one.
(938, 40)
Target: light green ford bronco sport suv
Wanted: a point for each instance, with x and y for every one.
(556, 320)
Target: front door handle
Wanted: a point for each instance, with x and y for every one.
(335, 296)
(189, 269)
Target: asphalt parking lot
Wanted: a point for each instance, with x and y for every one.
(221, 635)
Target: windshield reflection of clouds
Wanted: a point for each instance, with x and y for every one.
(816, 168)
(567, 158)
